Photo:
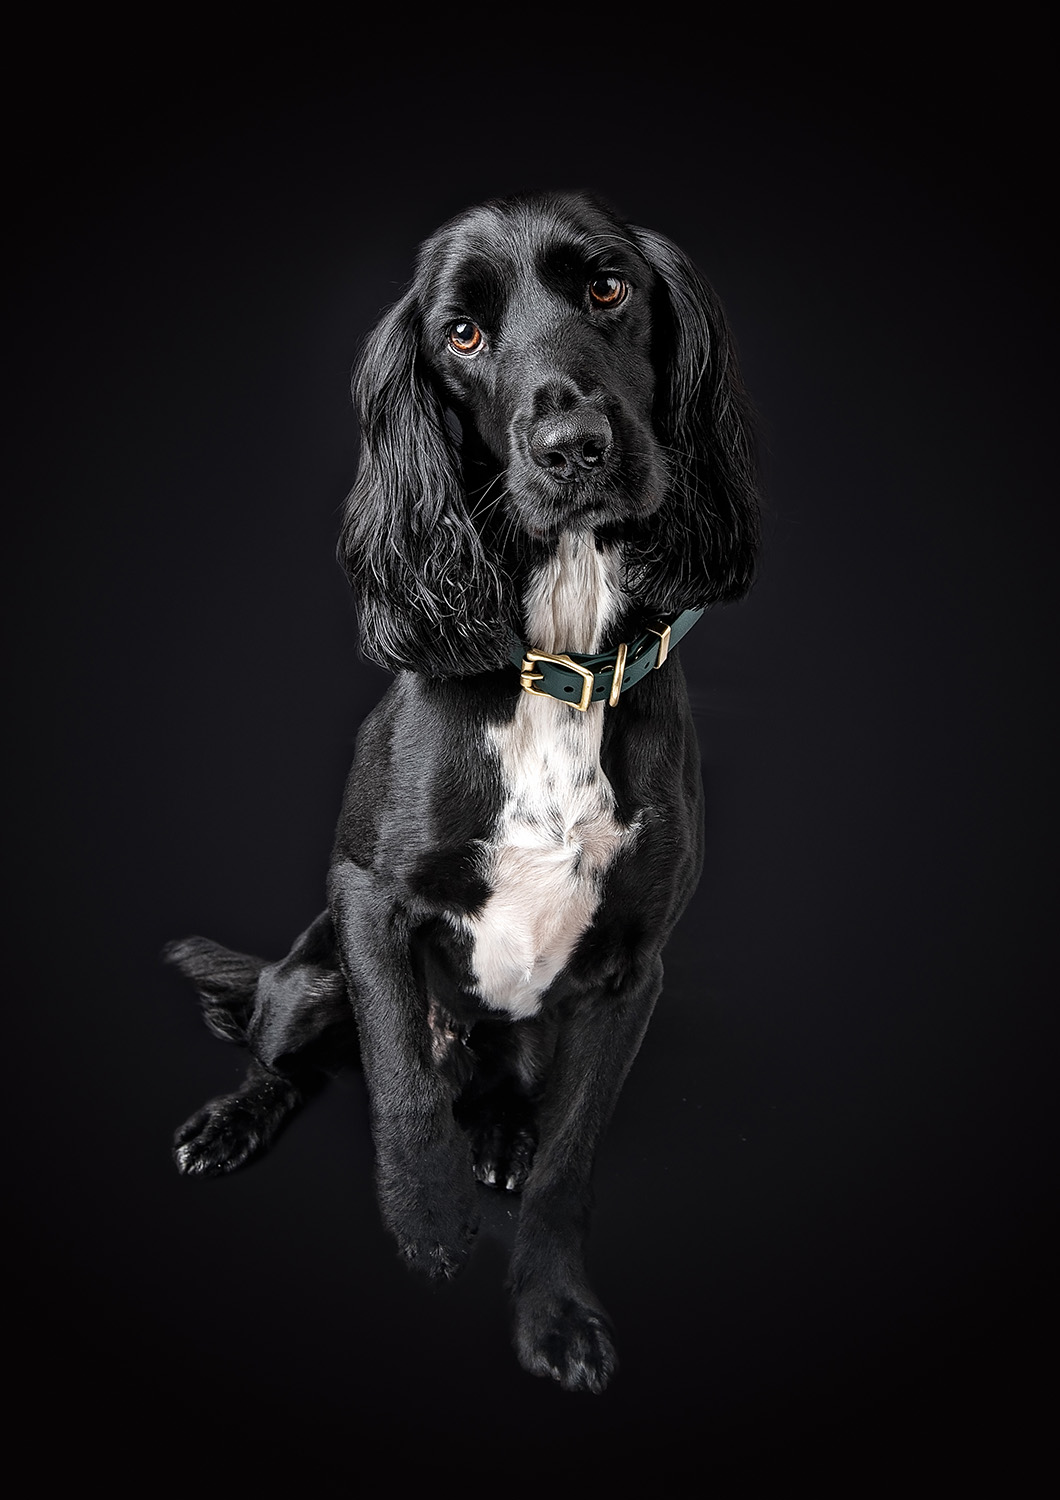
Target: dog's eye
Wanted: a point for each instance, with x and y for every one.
(465, 337)
(608, 291)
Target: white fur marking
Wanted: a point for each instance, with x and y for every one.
(557, 832)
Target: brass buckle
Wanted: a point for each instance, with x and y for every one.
(663, 632)
(528, 676)
(620, 672)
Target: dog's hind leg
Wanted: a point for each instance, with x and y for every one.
(293, 1016)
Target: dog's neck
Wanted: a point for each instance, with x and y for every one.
(575, 596)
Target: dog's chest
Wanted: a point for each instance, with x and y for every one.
(557, 832)
(553, 841)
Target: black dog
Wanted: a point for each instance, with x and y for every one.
(556, 478)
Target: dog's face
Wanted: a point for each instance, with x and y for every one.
(537, 326)
(592, 380)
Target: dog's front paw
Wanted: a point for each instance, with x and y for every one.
(437, 1259)
(431, 1215)
(568, 1338)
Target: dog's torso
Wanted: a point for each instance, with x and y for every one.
(565, 822)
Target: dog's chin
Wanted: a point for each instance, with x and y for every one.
(547, 508)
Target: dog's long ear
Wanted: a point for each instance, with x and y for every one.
(428, 597)
(700, 547)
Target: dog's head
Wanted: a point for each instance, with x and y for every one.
(549, 368)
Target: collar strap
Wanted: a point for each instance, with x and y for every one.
(579, 680)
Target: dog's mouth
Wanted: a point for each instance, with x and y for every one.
(610, 498)
(546, 529)
(544, 517)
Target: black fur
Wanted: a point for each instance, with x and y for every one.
(602, 397)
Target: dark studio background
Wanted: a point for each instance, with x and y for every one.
(822, 1203)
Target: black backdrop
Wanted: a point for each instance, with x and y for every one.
(821, 1206)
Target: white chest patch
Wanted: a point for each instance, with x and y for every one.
(557, 833)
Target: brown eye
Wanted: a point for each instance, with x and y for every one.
(465, 337)
(608, 291)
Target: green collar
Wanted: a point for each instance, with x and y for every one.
(580, 680)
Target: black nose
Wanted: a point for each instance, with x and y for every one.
(570, 443)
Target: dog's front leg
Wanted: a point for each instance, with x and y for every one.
(423, 1161)
(561, 1329)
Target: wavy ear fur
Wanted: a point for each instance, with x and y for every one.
(429, 599)
(700, 547)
